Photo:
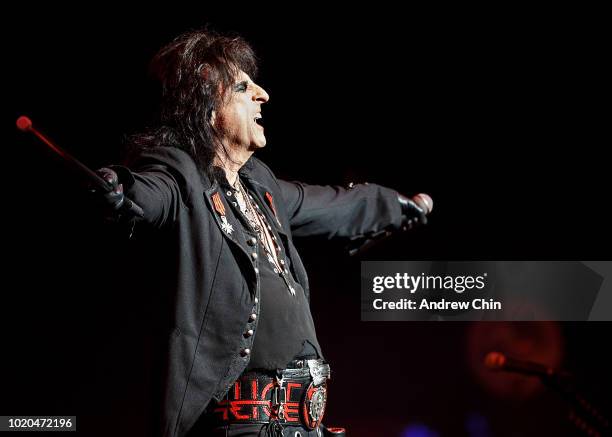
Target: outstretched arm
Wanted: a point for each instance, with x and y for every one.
(334, 211)
(156, 181)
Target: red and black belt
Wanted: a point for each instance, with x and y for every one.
(296, 397)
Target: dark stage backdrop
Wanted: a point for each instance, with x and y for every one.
(498, 115)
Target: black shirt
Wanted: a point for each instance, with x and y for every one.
(286, 329)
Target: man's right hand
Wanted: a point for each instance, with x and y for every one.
(414, 213)
(113, 199)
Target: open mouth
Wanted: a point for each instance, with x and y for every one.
(258, 119)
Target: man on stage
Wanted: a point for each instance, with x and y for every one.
(242, 357)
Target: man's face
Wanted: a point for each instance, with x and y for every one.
(238, 120)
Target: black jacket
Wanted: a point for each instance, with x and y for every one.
(215, 271)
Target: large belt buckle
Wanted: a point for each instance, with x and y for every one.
(319, 371)
(315, 398)
(313, 406)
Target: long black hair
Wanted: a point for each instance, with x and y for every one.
(196, 71)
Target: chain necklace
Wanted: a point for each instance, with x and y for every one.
(247, 210)
(268, 240)
(258, 222)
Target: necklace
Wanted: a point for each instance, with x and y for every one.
(246, 207)
(259, 224)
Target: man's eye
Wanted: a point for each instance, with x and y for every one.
(241, 87)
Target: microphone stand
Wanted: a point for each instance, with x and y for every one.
(583, 414)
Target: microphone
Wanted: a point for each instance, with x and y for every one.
(424, 201)
(499, 361)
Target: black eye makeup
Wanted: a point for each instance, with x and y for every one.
(241, 87)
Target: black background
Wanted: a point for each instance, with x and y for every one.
(498, 114)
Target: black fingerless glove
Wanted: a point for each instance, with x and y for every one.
(116, 207)
(113, 199)
(412, 214)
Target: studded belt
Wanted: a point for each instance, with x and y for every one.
(295, 396)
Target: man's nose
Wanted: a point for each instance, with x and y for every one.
(260, 95)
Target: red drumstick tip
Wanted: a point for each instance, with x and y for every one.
(24, 123)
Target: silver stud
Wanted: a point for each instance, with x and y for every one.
(246, 352)
(252, 241)
(248, 333)
(229, 193)
(275, 270)
(252, 317)
(256, 271)
(286, 271)
(256, 300)
(254, 255)
(282, 262)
